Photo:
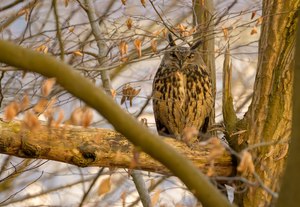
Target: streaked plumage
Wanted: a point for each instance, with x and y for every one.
(182, 92)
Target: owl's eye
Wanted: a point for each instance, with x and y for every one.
(192, 55)
(173, 55)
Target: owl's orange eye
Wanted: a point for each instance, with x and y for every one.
(192, 55)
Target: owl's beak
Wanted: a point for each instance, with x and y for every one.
(181, 62)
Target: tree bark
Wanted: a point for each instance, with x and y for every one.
(268, 120)
(289, 191)
(86, 147)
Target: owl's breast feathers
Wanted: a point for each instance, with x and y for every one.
(181, 99)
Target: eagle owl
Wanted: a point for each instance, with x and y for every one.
(182, 92)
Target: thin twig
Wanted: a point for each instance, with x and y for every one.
(150, 189)
(91, 186)
(10, 5)
(58, 30)
(13, 195)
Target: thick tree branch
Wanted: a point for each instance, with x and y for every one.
(97, 147)
(85, 90)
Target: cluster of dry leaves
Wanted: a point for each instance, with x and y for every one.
(258, 22)
(128, 93)
(43, 48)
(82, 116)
(184, 31)
(217, 150)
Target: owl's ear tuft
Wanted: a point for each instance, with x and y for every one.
(196, 44)
(171, 40)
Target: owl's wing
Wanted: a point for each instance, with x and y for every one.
(161, 128)
(204, 126)
(168, 102)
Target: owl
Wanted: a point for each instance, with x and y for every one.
(182, 92)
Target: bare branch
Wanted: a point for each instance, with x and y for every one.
(58, 30)
(96, 147)
(141, 188)
(102, 47)
(151, 144)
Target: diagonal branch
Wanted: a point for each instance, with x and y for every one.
(85, 90)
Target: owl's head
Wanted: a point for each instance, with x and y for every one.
(182, 56)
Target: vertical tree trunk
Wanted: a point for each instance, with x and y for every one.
(269, 116)
(290, 188)
(203, 20)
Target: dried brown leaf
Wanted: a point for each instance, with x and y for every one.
(26, 12)
(129, 23)
(182, 30)
(192, 31)
(113, 93)
(259, 21)
(164, 32)
(25, 102)
(155, 197)
(78, 53)
(143, 3)
(11, 111)
(128, 93)
(123, 48)
(253, 31)
(76, 116)
(66, 3)
(31, 121)
(104, 186)
(138, 46)
(47, 86)
(246, 163)
(225, 32)
(87, 117)
(189, 135)
(60, 118)
(42, 48)
(41, 106)
(50, 108)
(217, 149)
(124, 2)
(71, 29)
(253, 14)
(154, 45)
